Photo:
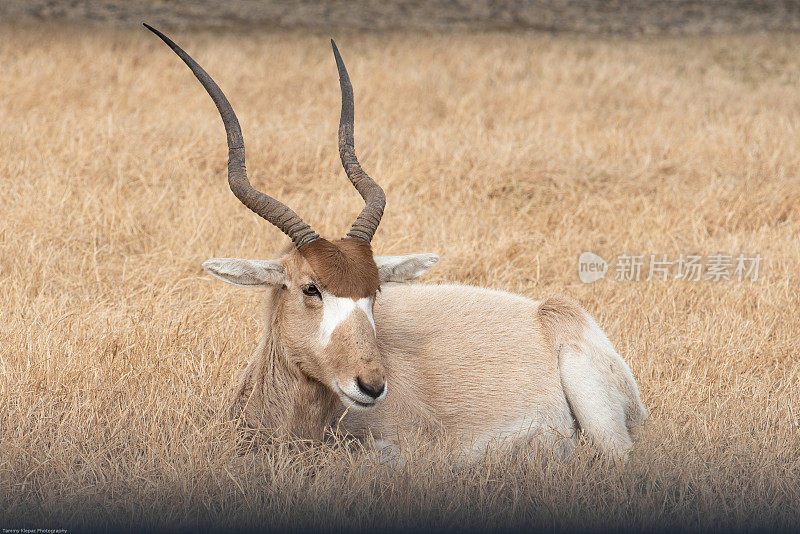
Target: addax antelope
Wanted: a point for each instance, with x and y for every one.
(347, 339)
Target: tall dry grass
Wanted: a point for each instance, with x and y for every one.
(506, 154)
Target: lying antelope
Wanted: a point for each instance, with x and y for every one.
(347, 340)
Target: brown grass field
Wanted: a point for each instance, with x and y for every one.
(506, 154)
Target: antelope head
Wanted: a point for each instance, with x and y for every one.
(324, 289)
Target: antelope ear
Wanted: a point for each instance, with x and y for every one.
(404, 268)
(247, 273)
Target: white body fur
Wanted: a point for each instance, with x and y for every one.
(482, 365)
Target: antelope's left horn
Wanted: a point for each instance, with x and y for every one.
(374, 198)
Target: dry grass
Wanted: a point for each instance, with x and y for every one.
(506, 154)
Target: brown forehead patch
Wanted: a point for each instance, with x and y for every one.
(345, 267)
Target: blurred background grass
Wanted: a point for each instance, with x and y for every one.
(625, 17)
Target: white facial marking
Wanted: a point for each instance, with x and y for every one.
(336, 309)
(366, 306)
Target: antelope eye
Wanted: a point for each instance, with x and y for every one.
(311, 290)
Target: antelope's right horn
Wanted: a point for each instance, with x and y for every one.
(263, 205)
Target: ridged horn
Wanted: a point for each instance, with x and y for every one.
(374, 198)
(263, 205)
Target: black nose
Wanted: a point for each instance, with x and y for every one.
(367, 389)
